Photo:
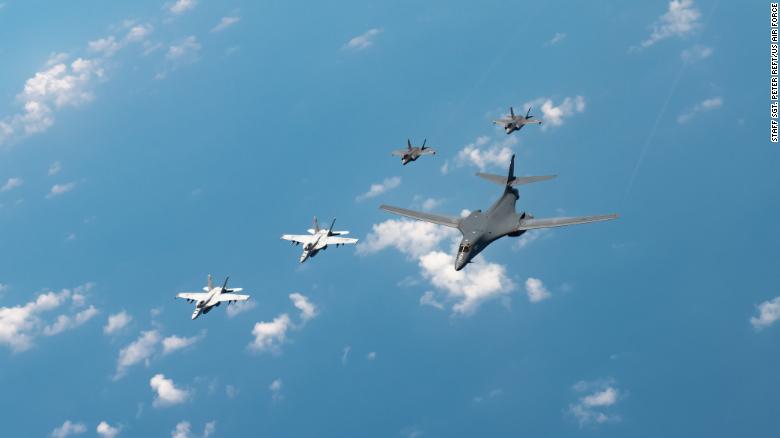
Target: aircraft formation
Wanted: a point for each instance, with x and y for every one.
(478, 229)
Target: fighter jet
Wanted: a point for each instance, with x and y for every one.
(515, 123)
(480, 229)
(412, 153)
(212, 297)
(318, 239)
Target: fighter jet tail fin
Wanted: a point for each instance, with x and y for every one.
(512, 111)
(316, 225)
(409, 144)
(333, 224)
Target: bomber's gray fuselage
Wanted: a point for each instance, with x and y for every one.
(480, 229)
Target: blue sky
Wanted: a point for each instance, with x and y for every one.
(147, 144)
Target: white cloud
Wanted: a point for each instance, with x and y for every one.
(695, 53)
(104, 46)
(428, 299)
(11, 184)
(703, 106)
(173, 342)
(413, 238)
(480, 155)
(377, 189)
(270, 335)
(554, 115)
(307, 308)
(276, 389)
(139, 32)
(371, 355)
(20, 325)
(345, 354)
(469, 287)
(224, 23)
(60, 189)
(67, 429)
(181, 6)
(529, 237)
(240, 307)
(490, 395)
(363, 41)
(680, 19)
(55, 168)
(182, 430)
(117, 322)
(167, 394)
(431, 203)
(59, 85)
(597, 403)
(536, 290)
(140, 350)
(67, 322)
(105, 430)
(186, 50)
(768, 313)
(557, 38)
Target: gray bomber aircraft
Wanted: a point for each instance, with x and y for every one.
(515, 123)
(480, 229)
(412, 153)
(212, 297)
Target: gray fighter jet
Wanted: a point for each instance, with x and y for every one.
(412, 153)
(515, 123)
(480, 229)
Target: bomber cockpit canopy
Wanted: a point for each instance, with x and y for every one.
(464, 247)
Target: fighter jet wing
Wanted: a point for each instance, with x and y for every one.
(530, 224)
(425, 217)
(399, 152)
(197, 296)
(233, 297)
(300, 238)
(502, 121)
(428, 151)
(333, 240)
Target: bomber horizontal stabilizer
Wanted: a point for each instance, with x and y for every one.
(515, 181)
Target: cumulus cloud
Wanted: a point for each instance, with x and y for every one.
(20, 325)
(60, 189)
(768, 313)
(184, 430)
(240, 307)
(105, 430)
(225, 22)
(695, 53)
(11, 184)
(554, 115)
(421, 241)
(173, 343)
(67, 429)
(268, 336)
(363, 41)
(377, 189)
(536, 290)
(166, 392)
(680, 19)
(117, 322)
(67, 322)
(140, 350)
(276, 389)
(58, 85)
(413, 238)
(557, 38)
(529, 237)
(181, 6)
(482, 153)
(371, 355)
(186, 50)
(703, 106)
(54, 168)
(307, 308)
(596, 403)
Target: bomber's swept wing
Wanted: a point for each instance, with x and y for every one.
(300, 238)
(420, 216)
(232, 297)
(530, 224)
(333, 240)
(399, 152)
(197, 296)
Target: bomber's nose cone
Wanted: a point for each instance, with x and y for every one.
(460, 262)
